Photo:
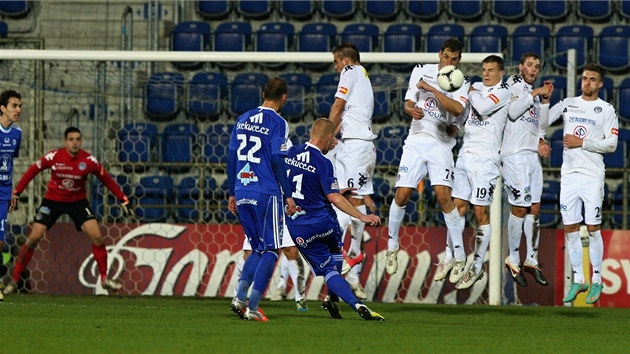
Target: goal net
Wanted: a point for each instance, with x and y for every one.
(160, 128)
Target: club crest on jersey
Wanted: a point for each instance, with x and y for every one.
(343, 90)
(334, 185)
(7, 140)
(298, 211)
(82, 166)
(246, 176)
(598, 109)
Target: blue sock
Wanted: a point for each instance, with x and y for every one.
(338, 258)
(339, 286)
(247, 275)
(261, 278)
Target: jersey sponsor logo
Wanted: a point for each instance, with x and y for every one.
(257, 118)
(403, 169)
(304, 157)
(580, 131)
(575, 109)
(82, 166)
(614, 131)
(343, 90)
(334, 185)
(494, 98)
(246, 176)
(431, 104)
(252, 128)
(300, 164)
(298, 211)
(67, 184)
(243, 201)
(582, 120)
(300, 242)
(5, 160)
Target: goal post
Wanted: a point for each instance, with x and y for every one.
(87, 88)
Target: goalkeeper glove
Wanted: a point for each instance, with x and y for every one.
(127, 210)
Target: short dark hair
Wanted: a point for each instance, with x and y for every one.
(70, 130)
(528, 55)
(6, 95)
(274, 89)
(596, 68)
(494, 59)
(348, 50)
(453, 44)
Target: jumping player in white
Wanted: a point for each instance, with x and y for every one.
(436, 119)
(590, 130)
(521, 168)
(477, 168)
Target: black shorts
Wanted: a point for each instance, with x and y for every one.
(49, 211)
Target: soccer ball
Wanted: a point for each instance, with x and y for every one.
(450, 78)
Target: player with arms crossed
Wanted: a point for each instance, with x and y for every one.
(351, 113)
(477, 168)
(590, 130)
(521, 168)
(314, 227)
(256, 173)
(66, 194)
(11, 136)
(429, 150)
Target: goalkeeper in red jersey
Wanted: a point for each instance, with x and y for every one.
(66, 194)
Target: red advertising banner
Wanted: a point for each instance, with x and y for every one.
(199, 260)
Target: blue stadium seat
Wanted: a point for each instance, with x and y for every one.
(316, 37)
(389, 145)
(439, 33)
(513, 10)
(254, 9)
(402, 38)
(338, 10)
(530, 38)
(297, 10)
(488, 39)
(560, 87)
(423, 10)
(214, 10)
(274, 37)
(298, 93)
(14, 9)
(99, 192)
(613, 48)
(191, 36)
(605, 93)
(378, 11)
(578, 37)
(551, 10)
(596, 11)
(325, 90)
(162, 94)
(617, 159)
(624, 9)
(246, 92)
(232, 37)
(364, 36)
(137, 142)
(466, 10)
(623, 95)
(384, 87)
(216, 143)
(557, 149)
(300, 134)
(617, 205)
(550, 204)
(4, 29)
(204, 95)
(193, 199)
(179, 145)
(153, 193)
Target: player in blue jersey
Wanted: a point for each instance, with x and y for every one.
(10, 138)
(314, 226)
(257, 176)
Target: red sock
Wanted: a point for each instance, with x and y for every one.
(100, 255)
(21, 261)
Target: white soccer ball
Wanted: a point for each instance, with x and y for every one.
(450, 78)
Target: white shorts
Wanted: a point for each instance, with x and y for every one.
(287, 241)
(577, 191)
(475, 179)
(422, 156)
(523, 178)
(354, 165)
(246, 245)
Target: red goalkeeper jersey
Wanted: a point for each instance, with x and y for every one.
(69, 175)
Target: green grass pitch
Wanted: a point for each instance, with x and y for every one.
(109, 324)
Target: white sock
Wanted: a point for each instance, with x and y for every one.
(344, 221)
(596, 251)
(455, 230)
(574, 245)
(396, 215)
(514, 230)
(482, 241)
(531, 228)
(284, 271)
(239, 271)
(357, 233)
(294, 272)
(448, 252)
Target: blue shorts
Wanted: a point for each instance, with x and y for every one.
(317, 242)
(4, 222)
(261, 218)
